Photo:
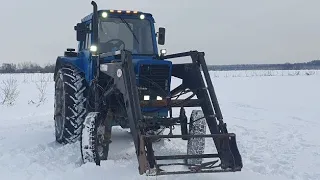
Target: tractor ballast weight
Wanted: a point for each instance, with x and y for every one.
(130, 87)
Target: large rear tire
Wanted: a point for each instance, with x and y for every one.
(69, 104)
(196, 146)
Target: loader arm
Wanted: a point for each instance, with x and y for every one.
(124, 79)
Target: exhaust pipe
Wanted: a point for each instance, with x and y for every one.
(95, 23)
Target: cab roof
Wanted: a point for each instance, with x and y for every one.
(115, 13)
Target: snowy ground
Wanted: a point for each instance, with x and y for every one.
(275, 115)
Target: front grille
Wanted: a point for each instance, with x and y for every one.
(154, 77)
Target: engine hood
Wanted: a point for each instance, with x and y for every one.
(141, 60)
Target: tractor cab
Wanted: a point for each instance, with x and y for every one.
(120, 29)
(104, 33)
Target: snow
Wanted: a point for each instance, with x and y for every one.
(275, 115)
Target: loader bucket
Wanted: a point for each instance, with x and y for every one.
(230, 158)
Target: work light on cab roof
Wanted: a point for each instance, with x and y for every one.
(104, 14)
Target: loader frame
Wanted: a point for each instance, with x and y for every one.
(122, 71)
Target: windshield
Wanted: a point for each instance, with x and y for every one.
(130, 34)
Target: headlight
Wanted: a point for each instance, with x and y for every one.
(146, 98)
(104, 67)
(142, 16)
(159, 98)
(93, 48)
(104, 14)
(163, 52)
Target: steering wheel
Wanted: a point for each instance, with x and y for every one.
(109, 45)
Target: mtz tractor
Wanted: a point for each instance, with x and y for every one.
(118, 77)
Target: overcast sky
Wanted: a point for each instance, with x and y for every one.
(229, 32)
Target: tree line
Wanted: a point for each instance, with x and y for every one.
(29, 67)
(315, 64)
(26, 67)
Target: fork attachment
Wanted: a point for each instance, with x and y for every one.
(206, 167)
(193, 81)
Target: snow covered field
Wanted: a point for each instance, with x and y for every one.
(275, 115)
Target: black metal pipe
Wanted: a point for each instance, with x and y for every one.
(177, 55)
(177, 90)
(194, 172)
(191, 136)
(173, 103)
(95, 23)
(109, 91)
(96, 60)
(187, 156)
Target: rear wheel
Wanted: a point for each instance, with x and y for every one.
(69, 104)
(196, 146)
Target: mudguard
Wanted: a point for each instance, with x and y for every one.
(83, 62)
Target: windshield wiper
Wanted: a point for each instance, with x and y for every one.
(124, 21)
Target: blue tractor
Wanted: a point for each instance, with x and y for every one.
(118, 78)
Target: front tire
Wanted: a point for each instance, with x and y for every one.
(196, 146)
(95, 139)
(69, 104)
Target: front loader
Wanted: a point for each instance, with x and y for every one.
(118, 78)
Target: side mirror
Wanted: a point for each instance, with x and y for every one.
(82, 30)
(161, 36)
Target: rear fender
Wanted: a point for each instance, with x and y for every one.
(82, 62)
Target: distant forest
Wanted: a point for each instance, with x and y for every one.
(26, 67)
(29, 67)
(315, 64)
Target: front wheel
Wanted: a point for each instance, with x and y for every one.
(95, 139)
(196, 146)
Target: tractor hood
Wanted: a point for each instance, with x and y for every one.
(151, 73)
(139, 61)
